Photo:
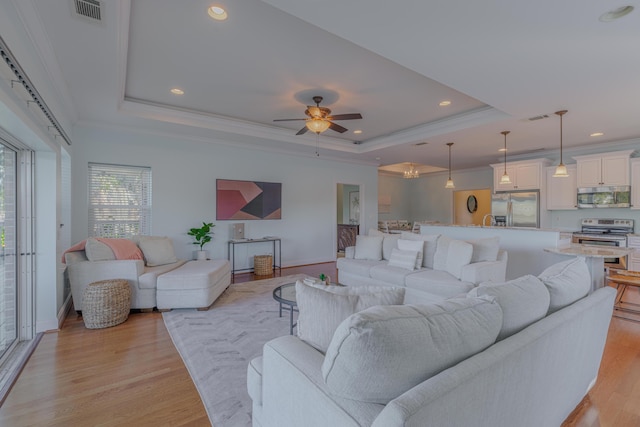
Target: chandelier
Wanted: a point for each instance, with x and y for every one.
(411, 173)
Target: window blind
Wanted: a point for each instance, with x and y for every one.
(119, 200)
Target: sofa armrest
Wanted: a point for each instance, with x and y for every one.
(350, 252)
(85, 272)
(486, 271)
(294, 393)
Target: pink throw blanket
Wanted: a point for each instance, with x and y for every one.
(122, 248)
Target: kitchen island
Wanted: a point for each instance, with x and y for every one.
(594, 257)
(525, 246)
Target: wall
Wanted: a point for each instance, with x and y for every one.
(184, 178)
(462, 216)
(399, 191)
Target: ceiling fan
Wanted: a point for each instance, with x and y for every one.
(320, 118)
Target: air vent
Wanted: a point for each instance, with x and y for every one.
(420, 143)
(540, 117)
(89, 9)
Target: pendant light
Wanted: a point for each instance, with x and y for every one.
(449, 181)
(561, 169)
(505, 176)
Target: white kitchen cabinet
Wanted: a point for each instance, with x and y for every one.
(635, 188)
(597, 170)
(524, 175)
(562, 192)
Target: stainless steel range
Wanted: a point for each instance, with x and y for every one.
(606, 232)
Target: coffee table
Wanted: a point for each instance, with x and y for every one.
(286, 297)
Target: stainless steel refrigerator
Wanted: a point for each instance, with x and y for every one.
(516, 208)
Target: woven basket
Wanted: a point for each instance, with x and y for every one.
(106, 303)
(262, 265)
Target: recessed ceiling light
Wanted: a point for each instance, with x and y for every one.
(217, 13)
(597, 134)
(612, 15)
(357, 131)
(500, 150)
(444, 103)
(177, 91)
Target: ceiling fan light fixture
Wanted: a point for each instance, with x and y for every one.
(317, 125)
(561, 169)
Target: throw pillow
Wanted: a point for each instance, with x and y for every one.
(379, 353)
(98, 251)
(388, 242)
(158, 251)
(368, 247)
(430, 244)
(412, 245)
(524, 300)
(458, 255)
(403, 259)
(440, 255)
(485, 249)
(567, 282)
(322, 308)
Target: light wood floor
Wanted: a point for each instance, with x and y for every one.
(132, 374)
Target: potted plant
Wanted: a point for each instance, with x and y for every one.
(201, 237)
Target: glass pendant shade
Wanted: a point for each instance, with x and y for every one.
(505, 178)
(318, 125)
(449, 184)
(561, 169)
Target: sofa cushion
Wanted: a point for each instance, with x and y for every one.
(412, 245)
(149, 279)
(95, 250)
(430, 243)
(438, 282)
(524, 300)
(389, 241)
(403, 259)
(157, 251)
(485, 249)
(379, 353)
(254, 380)
(360, 267)
(368, 247)
(441, 252)
(322, 308)
(567, 282)
(458, 255)
(385, 273)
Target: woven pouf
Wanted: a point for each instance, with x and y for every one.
(106, 303)
(262, 265)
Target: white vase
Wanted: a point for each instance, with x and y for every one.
(202, 255)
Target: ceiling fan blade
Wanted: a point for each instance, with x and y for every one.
(303, 130)
(337, 128)
(352, 116)
(287, 120)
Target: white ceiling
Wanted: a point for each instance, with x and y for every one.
(498, 62)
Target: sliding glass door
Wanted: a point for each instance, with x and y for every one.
(8, 251)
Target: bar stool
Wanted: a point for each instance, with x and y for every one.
(623, 281)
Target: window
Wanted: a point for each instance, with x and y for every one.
(119, 200)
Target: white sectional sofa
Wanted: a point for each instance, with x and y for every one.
(444, 268)
(520, 353)
(187, 283)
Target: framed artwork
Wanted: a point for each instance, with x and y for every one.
(248, 200)
(354, 207)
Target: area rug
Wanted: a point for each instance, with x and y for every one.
(217, 345)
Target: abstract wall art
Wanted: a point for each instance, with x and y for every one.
(247, 200)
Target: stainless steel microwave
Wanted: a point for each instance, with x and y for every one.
(604, 197)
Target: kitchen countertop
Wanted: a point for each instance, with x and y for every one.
(495, 227)
(591, 251)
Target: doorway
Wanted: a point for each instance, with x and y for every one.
(470, 206)
(347, 215)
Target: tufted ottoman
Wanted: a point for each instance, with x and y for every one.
(196, 284)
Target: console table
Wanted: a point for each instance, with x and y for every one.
(277, 255)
